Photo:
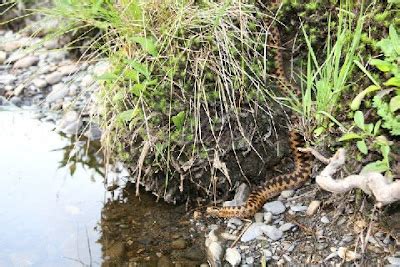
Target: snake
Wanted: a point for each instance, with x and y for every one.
(272, 187)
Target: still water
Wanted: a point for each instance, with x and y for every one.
(55, 210)
(48, 210)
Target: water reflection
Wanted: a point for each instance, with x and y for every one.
(46, 218)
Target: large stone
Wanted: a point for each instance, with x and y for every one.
(275, 207)
(54, 77)
(26, 62)
(39, 83)
(70, 123)
(258, 229)
(68, 69)
(233, 256)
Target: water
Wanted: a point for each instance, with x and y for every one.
(55, 210)
(48, 211)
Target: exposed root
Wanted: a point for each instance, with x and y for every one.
(372, 183)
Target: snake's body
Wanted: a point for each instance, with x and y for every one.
(275, 185)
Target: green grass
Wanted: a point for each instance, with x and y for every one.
(326, 82)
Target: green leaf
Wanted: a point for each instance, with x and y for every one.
(381, 65)
(319, 131)
(362, 146)
(385, 150)
(359, 119)
(376, 166)
(179, 119)
(355, 104)
(394, 103)
(147, 44)
(132, 75)
(394, 38)
(394, 81)
(387, 48)
(118, 96)
(108, 76)
(138, 89)
(369, 127)
(377, 127)
(349, 136)
(139, 67)
(127, 115)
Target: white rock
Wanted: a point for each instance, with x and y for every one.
(267, 217)
(275, 207)
(39, 83)
(215, 251)
(235, 221)
(347, 254)
(325, 220)
(241, 195)
(258, 229)
(26, 62)
(287, 193)
(54, 77)
(250, 260)
(3, 57)
(267, 253)
(298, 208)
(286, 227)
(313, 207)
(58, 91)
(87, 80)
(232, 256)
(7, 79)
(394, 260)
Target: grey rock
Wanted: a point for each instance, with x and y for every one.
(267, 217)
(51, 44)
(58, 92)
(7, 79)
(267, 253)
(39, 83)
(394, 260)
(93, 133)
(3, 57)
(70, 123)
(298, 208)
(68, 69)
(56, 56)
(16, 100)
(240, 197)
(17, 55)
(286, 227)
(250, 260)
(101, 67)
(54, 77)
(275, 207)
(235, 221)
(287, 193)
(87, 81)
(259, 217)
(26, 62)
(4, 101)
(258, 229)
(325, 220)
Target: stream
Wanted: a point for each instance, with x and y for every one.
(55, 210)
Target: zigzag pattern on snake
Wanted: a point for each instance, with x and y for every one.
(275, 185)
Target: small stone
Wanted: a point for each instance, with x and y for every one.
(7, 79)
(298, 208)
(87, 81)
(3, 57)
(313, 207)
(54, 77)
(39, 83)
(68, 69)
(267, 217)
(347, 254)
(70, 123)
(16, 100)
(256, 230)
(267, 253)
(259, 217)
(51, 44)
(58, 91)
(178, 244)
(101, 68)
(286, 227)
(394, 260)
(233, 256)
(273, 233)
(287, 193)
(17, 55)
(250, 260)
(235, 221)
(26, 62)
(325, 220)
(93, 133)
(275, 207)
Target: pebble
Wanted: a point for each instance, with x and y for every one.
(257, 230)
(233, 256)
(267, 253)
(26, 62)
(54, 77)
(7, 79)
(39, 83)
(275, 207)
(58, 92)
(3, 57)
(313, 207)
(267, 217)
(286, 227)
(259, 217)
(287, 193)
(93, 133)
(87, 81)
(250, 260)
(235, 221)
(325, 220)
(16, 100)
(68, 69)
(70, 123)
(394, 260)
(298, 208)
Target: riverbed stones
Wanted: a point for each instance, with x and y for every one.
(39, 83)
(26, 62)
(256, 230)
(275, 207)
(57, 93)
(232, 255)
(54, 77)
(7, 79)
